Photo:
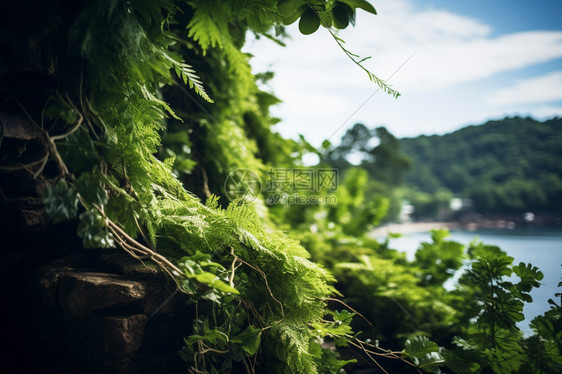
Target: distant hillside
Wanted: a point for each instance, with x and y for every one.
(510, 165)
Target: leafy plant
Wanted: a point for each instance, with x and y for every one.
(61, 202)
(424, 353)
(494, 341)
(440, 259)
(544, 349)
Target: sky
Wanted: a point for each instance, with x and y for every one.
(455, 63)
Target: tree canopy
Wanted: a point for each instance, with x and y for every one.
(510, 165)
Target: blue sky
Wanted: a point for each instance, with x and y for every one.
(464, 62)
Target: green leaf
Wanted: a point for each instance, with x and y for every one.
(463, 359)
(341, 15)
(530, 276)
(295, 15)
(344, 316)
(90, 188)
(250, 339)
(92, 231)
(424, 353)
(437, 235)
(419, 346)
(188, 285)
(61, 202)
(309, 22)
(528, 271)
(215, 337)
(184, 165)
(214, 281)
(363, 4)
(507, 340)
(58, 107)
(287, 7)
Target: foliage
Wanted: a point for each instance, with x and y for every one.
(410, 300)
(378, 152)
(332, 15)
(118, 91)
(469, 329)
(354, 213)
(424, 353)
(544, 349)
(145, 108)
(503, 166)
(439, 260)
(61, 202)
(493, 341)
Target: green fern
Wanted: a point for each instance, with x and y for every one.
(188, 75)
(203, 28)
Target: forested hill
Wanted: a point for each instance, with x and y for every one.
(514, 164)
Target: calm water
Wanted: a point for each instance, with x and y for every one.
(541, 247)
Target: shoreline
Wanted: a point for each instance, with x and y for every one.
(405, 228)
(413, 227)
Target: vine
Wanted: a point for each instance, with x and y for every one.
(326, 18)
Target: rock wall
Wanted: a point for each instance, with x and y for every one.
(65, 309)
(104, 312)
(68, 310)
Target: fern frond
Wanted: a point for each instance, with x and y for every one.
(151, 97)
(204, 30)
(239, 64)
(295, 344)
(189, 76)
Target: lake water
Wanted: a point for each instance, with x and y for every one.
(541, 247)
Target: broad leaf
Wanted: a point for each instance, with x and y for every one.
(250, 339)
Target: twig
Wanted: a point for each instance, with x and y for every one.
(265, 279)
(370, 357)
(142, 234)
(233, 268)
(356, 312)
(28, 167)
(212, 350)
(141, 248)
(76, 125)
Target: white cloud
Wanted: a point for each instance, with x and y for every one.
(543, 89)
(313, 103)
(444, 65)
(449, 48)
(320, 85)
(544, 112)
